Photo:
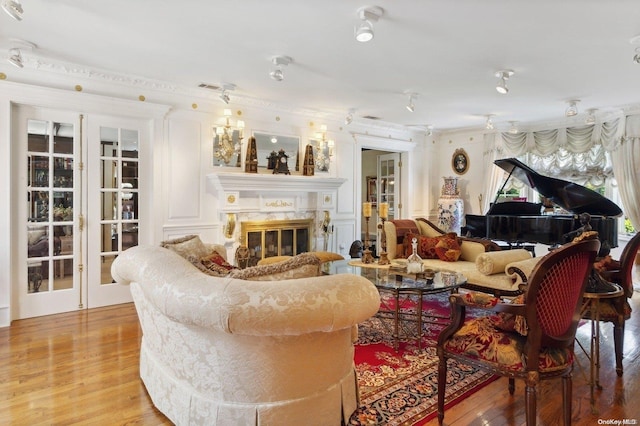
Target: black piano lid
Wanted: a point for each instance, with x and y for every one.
(570, 196)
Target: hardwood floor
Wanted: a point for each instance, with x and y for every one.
(82, 368)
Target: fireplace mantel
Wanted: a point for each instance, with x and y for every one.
(225, 181)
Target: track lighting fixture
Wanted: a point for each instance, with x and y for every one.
(279, 61)
(349, 117)
(13, 9)
(224, 97)
(368, 15)
(15, 58)
(489, 124)
(572, 109)
(591, 116)
(503, 76)
(410, 106)
(225, 89)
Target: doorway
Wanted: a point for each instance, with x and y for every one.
(67, 181)
(380, 175)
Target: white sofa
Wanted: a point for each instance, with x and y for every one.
(486, 267)
(225, 351)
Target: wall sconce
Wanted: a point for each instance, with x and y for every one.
(230, 225)
(224, 145)
(324, 150)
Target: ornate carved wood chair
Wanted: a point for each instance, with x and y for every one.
(531, 338)
(618, 310)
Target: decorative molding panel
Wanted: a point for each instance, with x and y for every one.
(242, 182)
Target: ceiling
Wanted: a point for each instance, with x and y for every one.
(447, 52)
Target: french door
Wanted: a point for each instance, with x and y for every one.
(389, 183)
(114, 202)
(80, 206)
(48, 238)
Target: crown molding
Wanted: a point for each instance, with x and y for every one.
(74, 71)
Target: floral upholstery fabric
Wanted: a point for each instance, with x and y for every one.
(221, 351)
(481, 339)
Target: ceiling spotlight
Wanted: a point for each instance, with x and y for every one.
(591, 116)
(349, 117)
(226, 88)
(503, 76)
(489, 124)
(572, 109)
(15, 58)
(429, 129)
(279, 61)
(13, 9)
(636, 57)
(224, 96)
(410, 106)
(513, 129)
(368, 15)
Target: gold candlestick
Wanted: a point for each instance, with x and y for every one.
(366, 255)
(384, 260)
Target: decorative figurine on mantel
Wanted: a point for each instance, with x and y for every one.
(308, 169)
(282, 165)
(450, 206)
(251, 161)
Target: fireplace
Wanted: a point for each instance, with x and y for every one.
(272, 238)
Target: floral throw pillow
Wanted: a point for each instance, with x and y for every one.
(216, 265)
(448, 249)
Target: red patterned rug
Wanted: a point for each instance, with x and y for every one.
(401, 387)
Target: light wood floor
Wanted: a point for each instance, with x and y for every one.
(82, 368)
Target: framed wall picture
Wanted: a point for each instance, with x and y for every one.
(372, 190)
(460, 161)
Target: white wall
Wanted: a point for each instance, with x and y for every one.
(181, 158)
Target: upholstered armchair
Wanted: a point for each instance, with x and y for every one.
(220, 350)
(617, 310)
(531, 338)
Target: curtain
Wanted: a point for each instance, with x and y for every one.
(626, 166)
(493, 179)
(587, 155)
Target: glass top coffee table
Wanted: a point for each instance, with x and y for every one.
(401, 294)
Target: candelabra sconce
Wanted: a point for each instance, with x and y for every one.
(383, 212)
(228, 140)
(367, 257)
(326, 229)
(230, 225)
(324, 150)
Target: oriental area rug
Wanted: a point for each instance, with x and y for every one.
(401, 387)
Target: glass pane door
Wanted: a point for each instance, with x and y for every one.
(114, 201)
(118, 195)
(50, 186)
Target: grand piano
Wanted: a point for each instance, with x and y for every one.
(521, 221)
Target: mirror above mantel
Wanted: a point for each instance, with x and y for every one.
(267, 143)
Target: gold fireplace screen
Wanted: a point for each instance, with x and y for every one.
(275, 238)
